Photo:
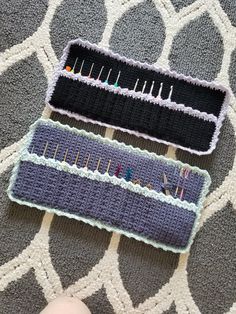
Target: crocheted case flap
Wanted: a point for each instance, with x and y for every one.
(52, 176)
(137, 114)
(95, 85)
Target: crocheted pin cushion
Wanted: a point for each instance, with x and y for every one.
(98, 86)
(110, 185)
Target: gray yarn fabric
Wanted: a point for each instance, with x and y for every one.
(104, 202)
(44, 256)
(146, 217)
(148, 171)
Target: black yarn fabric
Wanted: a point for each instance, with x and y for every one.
(198, 97)
(134, 114)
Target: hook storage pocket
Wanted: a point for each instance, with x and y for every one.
(96, 85)
(110, 185)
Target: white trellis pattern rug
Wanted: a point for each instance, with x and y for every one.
(43, 256)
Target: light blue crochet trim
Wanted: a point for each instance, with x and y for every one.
(122, 146)
(97, 223)
(116, 144)
(93, 222)
(127, 148)
(97, 176)
(83, 172)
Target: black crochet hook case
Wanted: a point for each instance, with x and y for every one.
(146, 100)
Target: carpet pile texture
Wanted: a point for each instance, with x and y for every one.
(42, 255)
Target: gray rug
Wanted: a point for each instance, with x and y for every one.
(43, 256)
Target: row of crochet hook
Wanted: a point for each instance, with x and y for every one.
(138, 86)
(120, 171)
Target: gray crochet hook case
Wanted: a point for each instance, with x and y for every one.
(109, 185)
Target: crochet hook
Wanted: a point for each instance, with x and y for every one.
(65, 155)
(90, 72)
(149, 186)
(117, 79)
(159, 92)
(98, 164)
(99, 75)
(73, 69)
(137, 181)
(136, 84)
(129, 173)
(45, 149)
(144, 86)
(151, 89)
(170, 93)
(108, 166)
(77, 158)
(87, 161)
(118, 170)
(55, 153)
(165, 180)
(180, 175)
(186, 173)
(81, 68)
(108, 75)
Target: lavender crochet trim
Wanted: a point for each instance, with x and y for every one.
(173, 106)
(139, 95)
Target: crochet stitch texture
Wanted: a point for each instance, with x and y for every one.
(190, 119)
(44, 180)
